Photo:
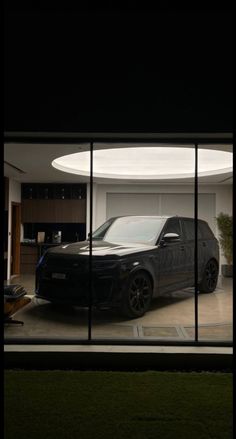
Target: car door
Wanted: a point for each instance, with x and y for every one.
(172, 258)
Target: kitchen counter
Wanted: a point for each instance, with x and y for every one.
(44, 244)
(31, 252)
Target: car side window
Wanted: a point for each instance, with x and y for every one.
(173, 226)
(189, 230)
(206, 232)
(101, 231)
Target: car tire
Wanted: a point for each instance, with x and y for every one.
(61, 306)
(210, 277)
(138, 296)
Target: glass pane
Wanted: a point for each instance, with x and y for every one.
(215, 208)
(52, 264)
(143, 262)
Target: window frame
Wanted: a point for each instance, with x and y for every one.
(195, 139)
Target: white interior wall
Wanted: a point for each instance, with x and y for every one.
(224, 203)
(95, 187)
(181, 204)
(222, 199)
(223, 195)
(14, 196)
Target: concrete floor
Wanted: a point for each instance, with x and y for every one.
(170, 317)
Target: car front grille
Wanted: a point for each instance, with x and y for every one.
(72, 284)
(53, 262)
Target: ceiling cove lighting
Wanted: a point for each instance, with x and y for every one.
(146, 163)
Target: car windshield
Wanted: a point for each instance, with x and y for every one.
(132, 229)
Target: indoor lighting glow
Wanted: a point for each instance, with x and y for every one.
(146, 163)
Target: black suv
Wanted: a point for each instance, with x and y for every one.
(134, 258)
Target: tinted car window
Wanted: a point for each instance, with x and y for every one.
(205, 230)
(173, 226)
(134, 229)
(101, 231)
(189, 230)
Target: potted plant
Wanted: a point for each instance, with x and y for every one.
(225, 226)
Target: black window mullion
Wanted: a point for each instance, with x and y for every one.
(90, 247)
(196, 243)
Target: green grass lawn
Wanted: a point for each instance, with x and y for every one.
(115, 405)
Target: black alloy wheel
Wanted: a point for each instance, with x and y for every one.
(210, 277)
(138, 296)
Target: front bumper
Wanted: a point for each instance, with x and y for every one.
(74, 288)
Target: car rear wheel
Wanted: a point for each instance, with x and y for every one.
(210, 277)
(138, 296)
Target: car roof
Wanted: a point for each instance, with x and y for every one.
(141, 216)
(155, 216)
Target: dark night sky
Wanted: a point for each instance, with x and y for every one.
(133, 70)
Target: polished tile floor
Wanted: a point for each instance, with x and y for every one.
(170, 318)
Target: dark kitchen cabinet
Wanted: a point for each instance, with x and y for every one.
(53, 211)
(53, 191)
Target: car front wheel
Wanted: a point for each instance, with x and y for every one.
(138, 296)
(210, 277)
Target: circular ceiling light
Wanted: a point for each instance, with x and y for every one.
(146, 163)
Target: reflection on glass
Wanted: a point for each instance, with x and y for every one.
(215, 206)
(53, 216)
(139, 221)
(143, 247)
(132, 229)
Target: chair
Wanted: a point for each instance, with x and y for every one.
(13, 301)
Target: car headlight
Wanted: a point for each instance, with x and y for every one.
(41, 260)
(104, 264)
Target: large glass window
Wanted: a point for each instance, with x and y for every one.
(216, 290)
(53, 215)
(109, 244)
(148, 265)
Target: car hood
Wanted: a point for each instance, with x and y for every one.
(101, 248)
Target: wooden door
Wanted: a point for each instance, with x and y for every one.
(15, 238)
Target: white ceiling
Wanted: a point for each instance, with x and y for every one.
(33, 163)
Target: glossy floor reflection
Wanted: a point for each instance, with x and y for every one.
(170, 317)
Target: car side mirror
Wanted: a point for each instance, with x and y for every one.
(169, 238)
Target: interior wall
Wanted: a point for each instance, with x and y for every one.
(14, 196)
(222, 195)
(223, 201)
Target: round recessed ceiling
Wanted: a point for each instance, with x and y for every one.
(146, 163)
